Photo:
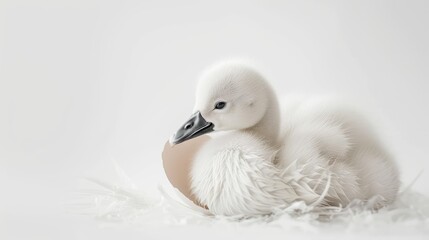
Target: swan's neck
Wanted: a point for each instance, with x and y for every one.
(269, 126)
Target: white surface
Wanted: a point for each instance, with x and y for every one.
(83, 82)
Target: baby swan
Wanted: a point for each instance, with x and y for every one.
(272, 154)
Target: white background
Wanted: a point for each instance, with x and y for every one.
(85, 82)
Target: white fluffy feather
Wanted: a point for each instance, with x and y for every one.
(129, 204)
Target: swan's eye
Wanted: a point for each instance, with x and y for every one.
(220, 105)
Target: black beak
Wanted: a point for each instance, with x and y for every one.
(194, 127)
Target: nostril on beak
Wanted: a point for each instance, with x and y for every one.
(189, 125)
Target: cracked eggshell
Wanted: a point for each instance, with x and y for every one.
(177, 162)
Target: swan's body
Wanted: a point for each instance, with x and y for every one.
(310, 150)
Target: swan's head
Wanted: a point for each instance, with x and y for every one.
(230, 96)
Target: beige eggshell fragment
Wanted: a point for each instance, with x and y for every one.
(177, 162)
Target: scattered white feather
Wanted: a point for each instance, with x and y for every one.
(127, 204)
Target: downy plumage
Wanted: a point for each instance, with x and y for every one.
(271, 154)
